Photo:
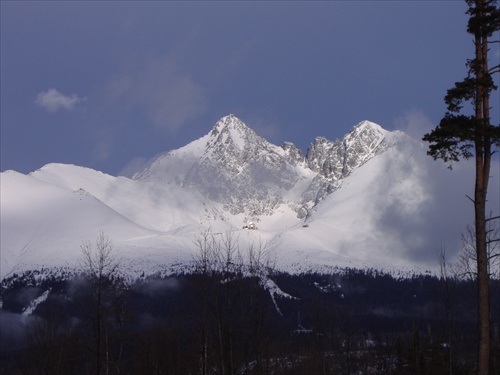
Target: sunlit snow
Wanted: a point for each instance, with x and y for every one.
(385, 205)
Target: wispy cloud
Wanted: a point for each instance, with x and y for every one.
(269, 130)
(415, 123)
(168, 95)
(52, 100)
(133, 166)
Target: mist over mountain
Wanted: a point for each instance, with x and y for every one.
(372, 199)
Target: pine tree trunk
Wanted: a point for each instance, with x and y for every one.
(483, 303)
(483, 159)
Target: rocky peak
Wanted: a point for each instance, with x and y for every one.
(229, 121)
(335, 160)
(231, 130)
(338, 158)
(243, 171)
(365, 136)
(230, 140)
(232, 165)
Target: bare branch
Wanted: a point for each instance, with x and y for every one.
(100, 262)
(492, 218)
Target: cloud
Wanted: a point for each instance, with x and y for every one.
(414, 123)
(420, 206)
(449, 211)
(269, 130)
(52, 100)
(133, 166)
(166, 94)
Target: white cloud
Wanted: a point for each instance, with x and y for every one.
(52, 100)
(414, 123)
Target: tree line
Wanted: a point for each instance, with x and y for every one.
(235, 314)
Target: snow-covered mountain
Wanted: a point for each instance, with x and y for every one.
(371, 199)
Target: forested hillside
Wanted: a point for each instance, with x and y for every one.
(242, 322)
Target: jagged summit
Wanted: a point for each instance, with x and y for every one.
(335, 160)
(232, 125)
(233, 136)
(362, 125)
(229, 136)
(231, 130)
(234, 166)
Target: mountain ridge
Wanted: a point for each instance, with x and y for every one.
(369, 199)
(241, 159)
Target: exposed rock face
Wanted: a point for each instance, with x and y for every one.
(232, 165)
(333, 161)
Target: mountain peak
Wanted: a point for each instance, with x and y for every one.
(229, 123)
(231, 132)
(365, 132)
(357, 195)
(369, 126)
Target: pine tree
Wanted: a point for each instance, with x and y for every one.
(463, 136)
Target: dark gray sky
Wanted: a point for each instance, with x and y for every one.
(108, 85)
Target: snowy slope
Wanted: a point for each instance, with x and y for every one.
(370, 199)
(48, 214)
(44, 224)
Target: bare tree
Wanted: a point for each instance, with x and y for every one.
(204, 260)
(232, 315)
(467, 259)
(100, 268)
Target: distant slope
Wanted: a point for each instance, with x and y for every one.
(43, 225)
